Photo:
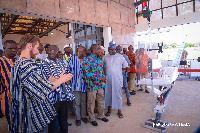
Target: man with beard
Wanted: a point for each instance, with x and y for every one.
(30, 109)
(6, 63)
(63, 93)
(113, 65)
(95, 83)
(78, 85)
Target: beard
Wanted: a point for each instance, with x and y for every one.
(33, 56)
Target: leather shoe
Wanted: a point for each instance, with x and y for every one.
(132, 93)
(85, 120)
(147, 91)
(94, 123)
(78, 122)
(104, 119)
(128, 103)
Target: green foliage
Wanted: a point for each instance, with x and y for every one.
(173, 45)
(189, 45)
(165, 46)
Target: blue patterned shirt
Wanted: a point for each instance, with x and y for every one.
(63, 92)
(93, 73)
(30, 109)
(76, 67)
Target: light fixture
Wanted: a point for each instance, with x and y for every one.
(51, 33)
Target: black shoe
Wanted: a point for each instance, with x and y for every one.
(104, 119)
(147, 91)
(85, 120)
(140, 90)
(132, 93)
(69, 124)
(128, 103)
(94, 123)
(78, 122)
(1, 115)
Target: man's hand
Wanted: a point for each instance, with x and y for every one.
(52, 79)
(104, 79)
(65, 77)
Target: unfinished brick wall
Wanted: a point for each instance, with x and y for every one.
(118, 14)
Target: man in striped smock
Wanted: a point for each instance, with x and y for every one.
(30, 109)
(59, 97)
(78, 85)
(6, 62)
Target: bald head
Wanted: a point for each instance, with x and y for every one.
(119, 49)
(81, 52)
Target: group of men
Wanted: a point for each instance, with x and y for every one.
(36, 89)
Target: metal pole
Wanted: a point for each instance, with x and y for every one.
(151, 73)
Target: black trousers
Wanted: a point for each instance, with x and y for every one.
(62, 111)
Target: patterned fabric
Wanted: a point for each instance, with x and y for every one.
(17, 57)
(66, 58)
(131, 56)
(63, 92)
(112, 44)
(143, 63)
(76, 67)
(40, 57)
(30, 109)
(5, 68)
(93, 73)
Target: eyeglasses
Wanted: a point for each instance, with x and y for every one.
(30, 39)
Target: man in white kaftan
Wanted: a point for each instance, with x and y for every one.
(113, 65)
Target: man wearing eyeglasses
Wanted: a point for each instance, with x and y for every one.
(63, 93)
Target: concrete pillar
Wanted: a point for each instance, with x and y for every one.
(72, 37)
(107, 37)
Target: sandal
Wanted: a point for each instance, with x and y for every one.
(108, 113)
(120, 115)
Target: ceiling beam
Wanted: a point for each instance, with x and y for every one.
(50, 29)
(13, 18)
(35, 24)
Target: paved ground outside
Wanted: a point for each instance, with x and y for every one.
(183, 107)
